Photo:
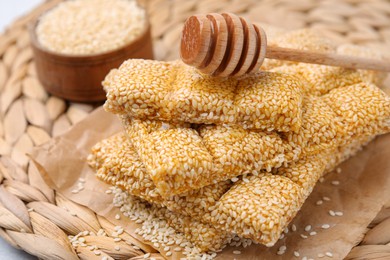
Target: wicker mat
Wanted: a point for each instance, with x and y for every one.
(30, 116)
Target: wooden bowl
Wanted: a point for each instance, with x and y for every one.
(79, 77)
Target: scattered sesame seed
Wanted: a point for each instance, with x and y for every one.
(329, 254)
(339, 213)
(332, 213)
(335, 183)
(296, 253)
(326, 198)
(282, 248)
(280, 252)
(293, 228)
(97, 252)
(308, 228)
(169, 253)
(101, 232)
(236, 252)
(322, 179)
(320, 255)
(146, 255)
(117, 216)
(319, 202)
(325, 226)
(304, 236)
(304, 258)
(117, 248)
(75, 191)
(313, 233)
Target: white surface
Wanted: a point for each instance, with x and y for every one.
(10, 10)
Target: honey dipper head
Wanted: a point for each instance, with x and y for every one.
(222, 44)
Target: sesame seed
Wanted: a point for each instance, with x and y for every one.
(293, 228)
(329, 254)
(236, 252)
(308, 228)
(320, 255)
(169, 253)
(338, 170)
(304, 236)
(338, 213)
(146, 255)
(332, 213)
(97, 252)
(335, 183)
(313, 233)
(326, 198)
(117, 216)
(296, 253)
(234, 179)
(325, 226)
(319, 202)
(117, 248)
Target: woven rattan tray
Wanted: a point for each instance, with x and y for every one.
(29, 116)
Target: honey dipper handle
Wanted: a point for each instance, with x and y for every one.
(331, 59)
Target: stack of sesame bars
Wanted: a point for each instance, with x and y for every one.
(219, 157)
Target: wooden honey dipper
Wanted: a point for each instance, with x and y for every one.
(227, 45)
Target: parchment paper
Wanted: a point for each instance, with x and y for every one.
(364, 188)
